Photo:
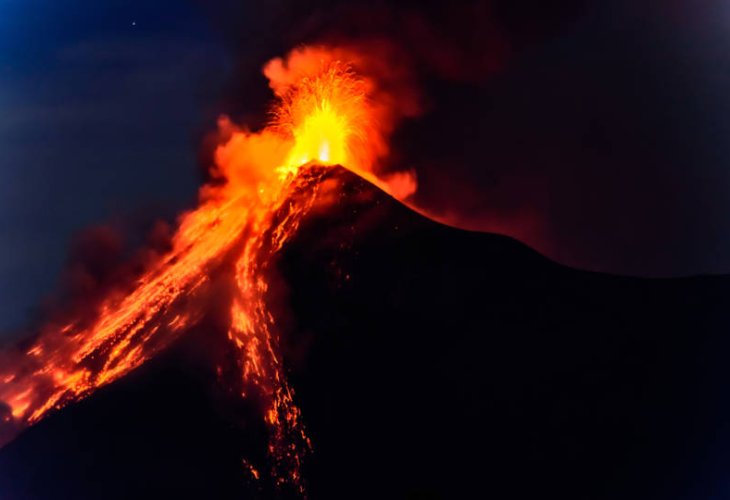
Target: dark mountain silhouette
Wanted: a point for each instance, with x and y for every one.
(428, 362)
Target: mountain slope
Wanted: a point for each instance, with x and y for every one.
(429, 362)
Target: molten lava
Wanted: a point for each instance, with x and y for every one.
(263, 184)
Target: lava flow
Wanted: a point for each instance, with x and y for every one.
(262, 184)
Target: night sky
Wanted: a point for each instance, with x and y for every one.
(593, 131)
(104, 106)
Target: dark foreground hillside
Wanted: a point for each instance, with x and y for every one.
(429, 363)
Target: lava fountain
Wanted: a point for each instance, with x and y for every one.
(262, 185)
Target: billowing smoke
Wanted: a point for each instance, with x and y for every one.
(577, 127)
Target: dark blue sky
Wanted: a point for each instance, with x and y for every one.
(103, 108)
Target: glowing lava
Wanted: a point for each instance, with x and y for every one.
(263, 183)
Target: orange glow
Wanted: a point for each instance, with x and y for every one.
(264, 184)
(325, 116)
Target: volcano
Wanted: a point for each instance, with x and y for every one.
(428, 362)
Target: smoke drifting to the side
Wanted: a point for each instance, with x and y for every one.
(575, 126)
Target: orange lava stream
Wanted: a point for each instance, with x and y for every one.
(263, 185)
(66, 363)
